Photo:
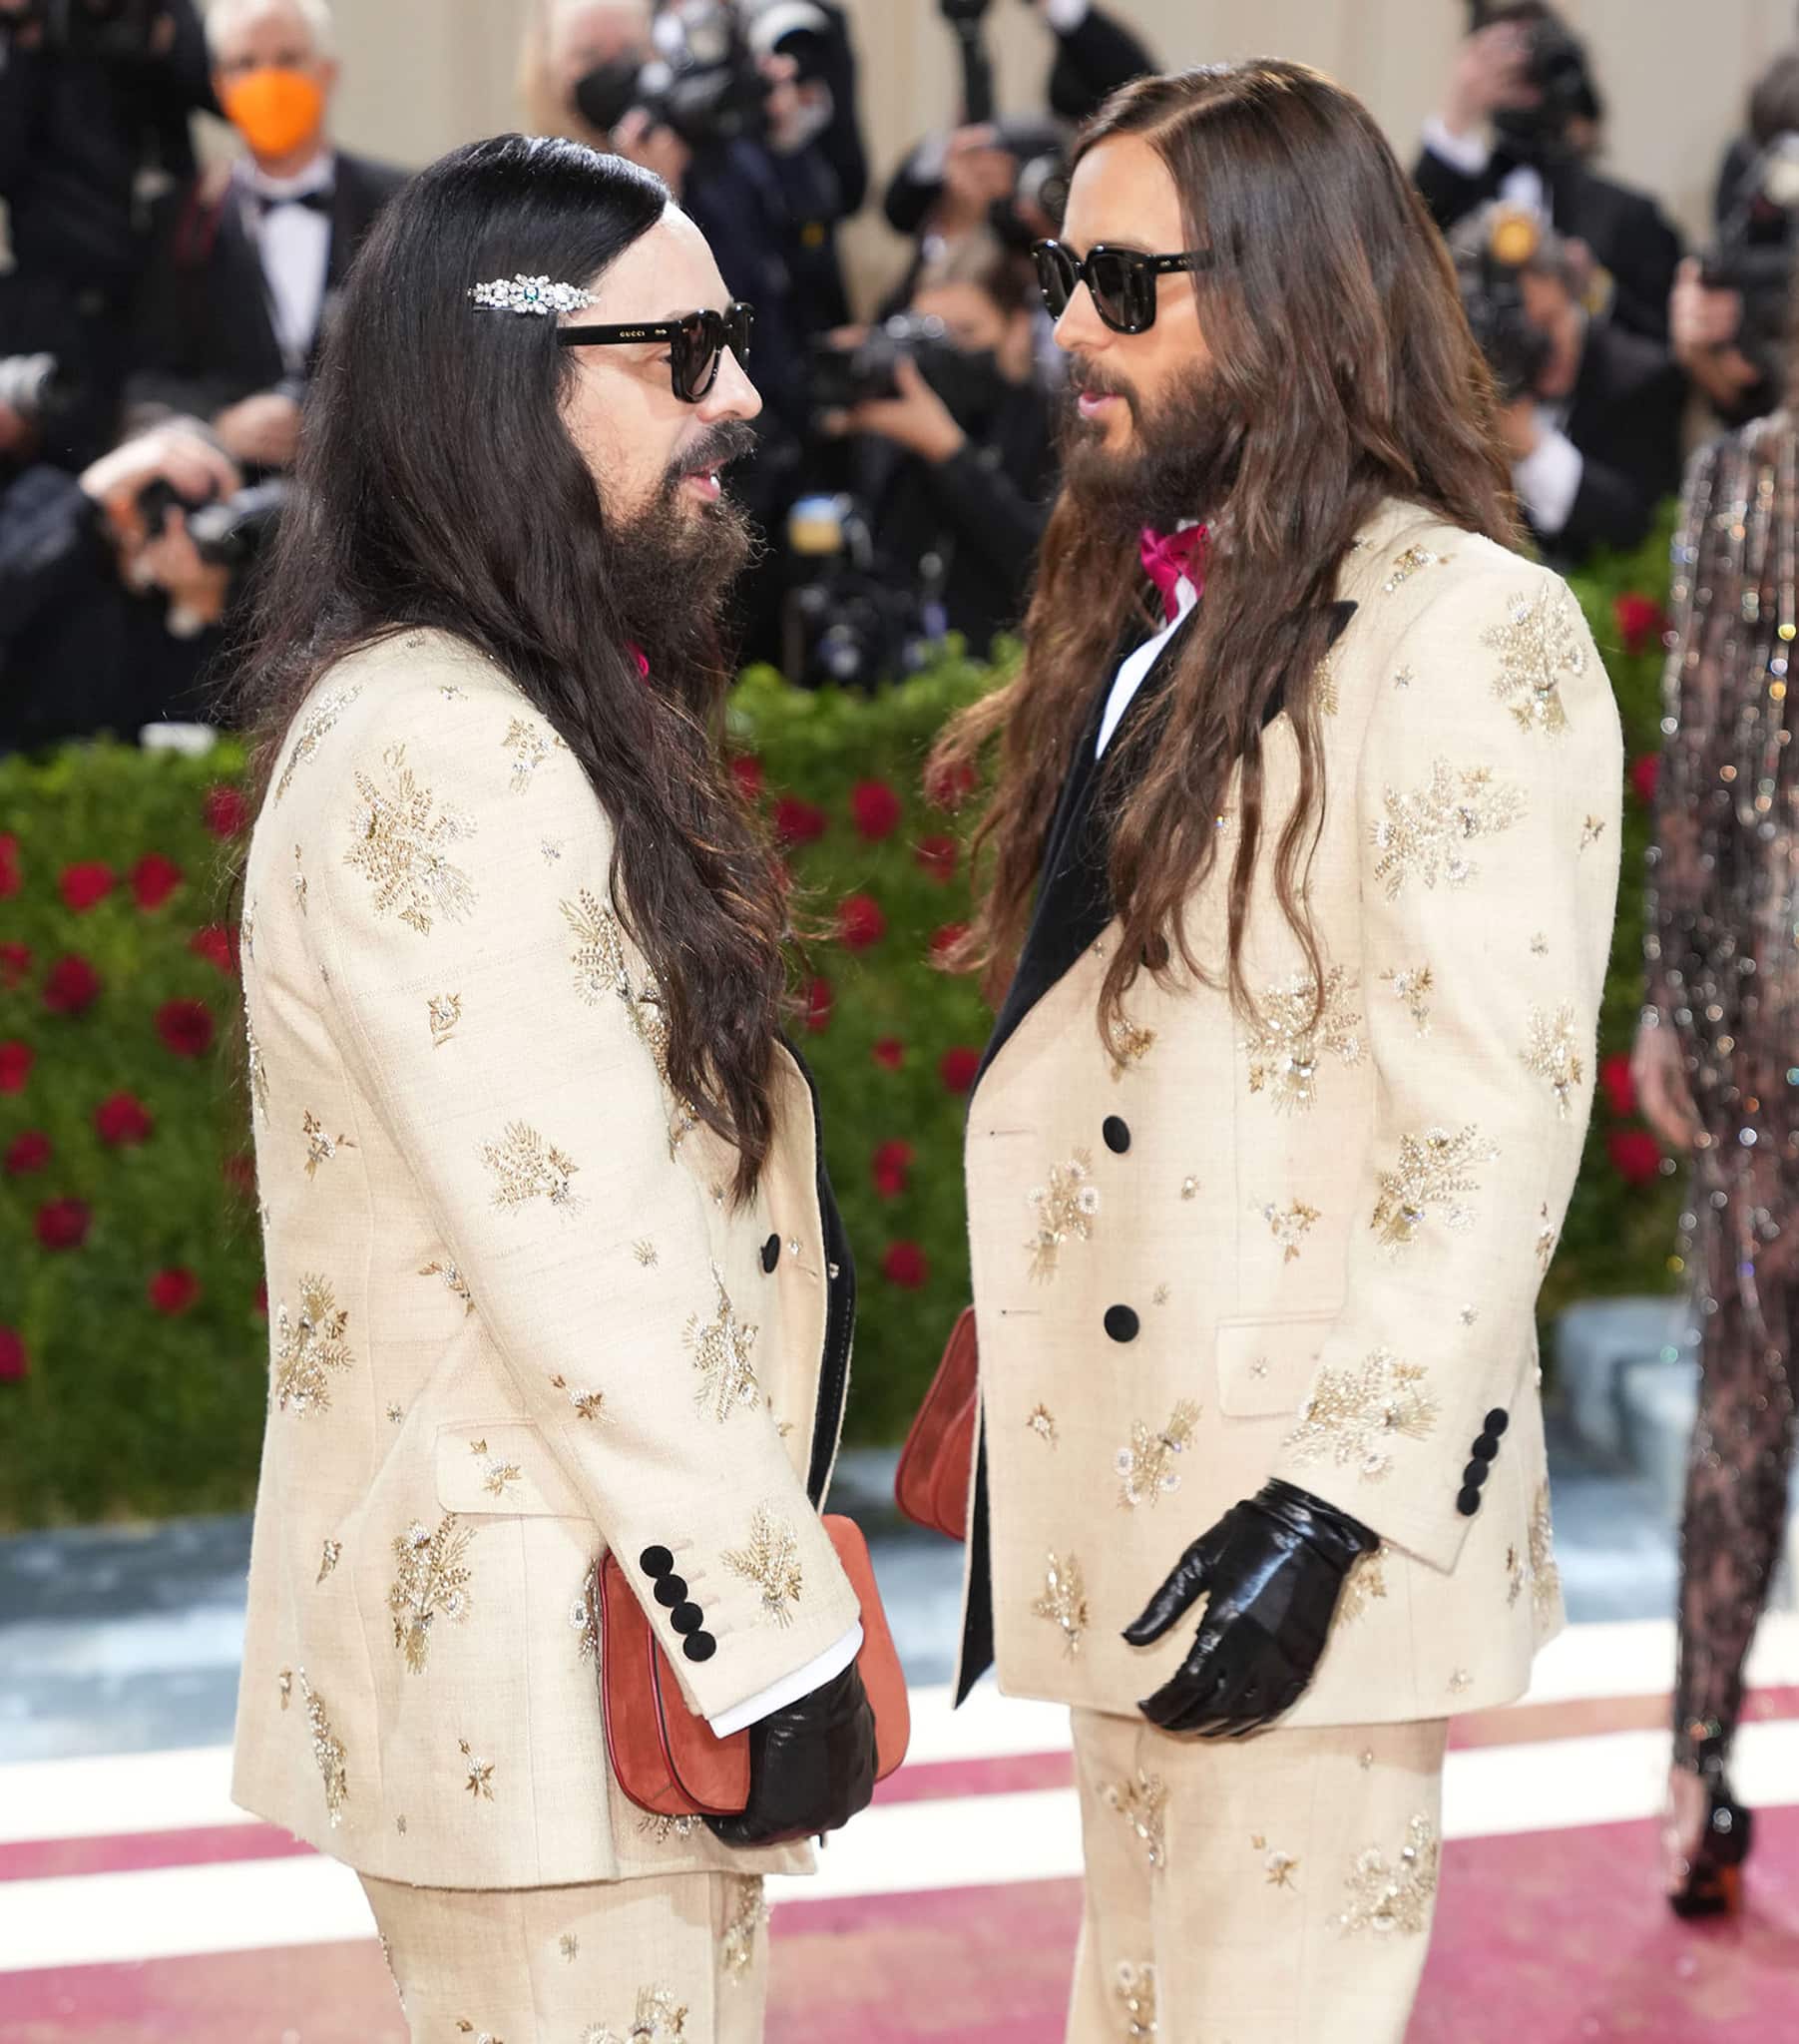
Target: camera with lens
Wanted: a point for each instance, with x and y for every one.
(35, 388)
(1490, 266)
(228, 532)
(845, 374)
(846, 624)
(1555, 66)
(1755, 251)
(123, 30)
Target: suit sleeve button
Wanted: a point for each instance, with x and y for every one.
(1486, 1446)
(669, 1590)
(686, 1618)
(1468, 1502)
(1475, 1475)
(1116, 1132)
(700, 1646)
(655, 1561)
(1121, 1323)
(772, 1253)
(1496, 1421)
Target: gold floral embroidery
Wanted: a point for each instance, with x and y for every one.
(722, 1352)
(1324, 682)
(1064, 1601)
(529, 748)
(285, 1684)
(1365, 1583)
(1414, 986)
(1290, 1225)
(1143, 1803)
(1545, 1575)
(480, 1782)
(1354, 1415)
(1426, 833)
(569, 1946)
(320, 1148)
(396, 1414)
(1552, 1053)
(1147, 1467)
(660, 1830)
(498, 1477)
(299, 882)
(659, 2019)
(454, 1280)
(444, 1011)
(586, 1404)
(1393, 1896)
(1135, 1988)
(737, 1947)
(1189, 1188)
(329, 1556)
(1434, 1171)
(1546, 1236)
(317, 722)
(1278, 1869)
(400, 836)
(328, 1751)
(583, 1615)
(307, 1345)
(527, 1169)
(1064, 1207)
(1294, 1032)
(258, 1072)
(247, 930)
(1542, 644)
(1404, 566)
(1540, 945)
(1592, 831)
(431, 1582)
(1130, 1043)
(771, 1563)
(599, 958)
(1042, 1422)
(1515, 1577)
(463, 2024)
(644, 1252)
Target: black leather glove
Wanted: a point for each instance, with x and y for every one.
(1273, 1568)
(811, 1766)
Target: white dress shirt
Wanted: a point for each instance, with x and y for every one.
(294, 243)
(1130, 677)
(1522, 186)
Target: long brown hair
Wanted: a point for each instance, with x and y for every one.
(437, 485)
(1339, 350)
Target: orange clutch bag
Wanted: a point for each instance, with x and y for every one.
(670, 1762)
(936, 1464)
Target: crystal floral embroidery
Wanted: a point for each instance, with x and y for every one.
(737, 1947)
(1425, 835)
(529, 748)
(400, 839)
(586, 1404)
(721, 1349)
(1546, 1577)
(1591, 830)
(1042, 1422)
(320, 1148)
(1550, 1053)
(431, 1582)
(583, 1617)
(328, 1751)
(1404, 566)
(1147, 1467)
(660, 1830)
(1290, 1225)
(771, 1563)
(498, 1477)
(1143, 1803)
(1393, 1896)
(1355, 1415)
(1414, 986)
(299, 882)
(445, 1011)
(307, 1347)
(1294, 1033)
(1064, 1207)
(1434, 1171)
(1278, 1869)
(527, 1169)
(453, 1279)
(329, 1556)
(644, 1252)
(1365, 1583)
(258, 1072)
(1135, 1990)
(1546, 1237)
(1130, 1043)
(1542, 644)
(316, 722)
(285, 1684)
(1064, 1601)
(480, 1782)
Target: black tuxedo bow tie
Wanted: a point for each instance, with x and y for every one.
(265, 203)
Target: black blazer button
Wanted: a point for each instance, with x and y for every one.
(1468, 1502)
(686, 1618)
(655, 1561)
(1475, 1475)
(669, 1590)
(700, 1646)
(1121, 1323)
(1485, 1446)
(772, 1253)
(1496, 1421)
(1116, 1132)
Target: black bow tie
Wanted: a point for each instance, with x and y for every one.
(265, 203)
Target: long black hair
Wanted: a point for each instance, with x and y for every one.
(437, 486)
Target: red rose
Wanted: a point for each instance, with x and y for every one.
(27, 1152)
(1646, 776)
(860, 923)
(1635, 1154)
(72, 987)
(818, 1006)
(946, 939)
(1639, 620)
(224, 813)
(63, 1224)
(15, 963)
(122, 1121)
(904, 1265)
(263, 1300)
(798, 823)
(948, 787)
(216, 944)
(938, 855)
(14, 1363)
(173, 1292)
(957, 1068)
(154, 878)
(15, 1066)
(875, 809)
(890, 1052)
(10, 883)
(84, 885)
(892, 1160)
(1621, 1088)
(746, 772)
(185, 1027)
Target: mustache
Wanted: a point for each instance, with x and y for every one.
(729, 441)
(1092, 379)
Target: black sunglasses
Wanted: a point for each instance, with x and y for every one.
(1120, 282)
(696, 344)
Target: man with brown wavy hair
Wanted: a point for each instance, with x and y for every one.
(1301, 890)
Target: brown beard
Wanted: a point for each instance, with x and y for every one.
(673, 562)
(1180, 463)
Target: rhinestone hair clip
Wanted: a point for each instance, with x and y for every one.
(530, 294)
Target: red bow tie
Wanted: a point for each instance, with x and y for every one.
(1167, 556)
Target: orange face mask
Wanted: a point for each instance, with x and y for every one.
(274, 109)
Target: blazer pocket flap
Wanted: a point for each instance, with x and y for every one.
(1266, 1366)
(502, 1466)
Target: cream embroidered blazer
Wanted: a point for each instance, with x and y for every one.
(514, 1318)
(1280, 1248)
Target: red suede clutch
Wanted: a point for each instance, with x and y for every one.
(936, 1466)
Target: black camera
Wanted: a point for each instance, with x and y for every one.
(1555, 66)
(35, 388)
(1489, 277)
(845, 621)
(1755, 251)
(228, 532)
(846, 375)
(122, 30)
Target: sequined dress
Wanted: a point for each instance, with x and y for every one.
(1723, 974)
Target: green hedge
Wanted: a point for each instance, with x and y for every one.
(132, 1359)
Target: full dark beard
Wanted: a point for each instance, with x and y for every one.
(1183, 459)
(673, 564)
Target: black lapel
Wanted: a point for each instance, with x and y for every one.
(839, 1312)
(244, 297)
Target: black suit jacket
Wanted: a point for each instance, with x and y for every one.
(1624, 418)
(1625, 230)
(204, 338)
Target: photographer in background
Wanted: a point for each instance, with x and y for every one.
(95, 97)
(110, 613)
(1519, 116)
(1590, 413)
(247, 259)
(958, 460)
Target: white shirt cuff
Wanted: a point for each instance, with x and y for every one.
(802, 1683)
(1468, 154)
(1064, 16)
(1548, 480)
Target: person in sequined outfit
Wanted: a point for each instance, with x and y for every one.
(1718, 1072)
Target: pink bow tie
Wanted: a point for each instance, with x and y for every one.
(1167, 556)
